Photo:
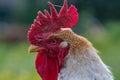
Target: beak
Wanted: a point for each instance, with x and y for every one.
(33, 48)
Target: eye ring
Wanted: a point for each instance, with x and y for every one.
(53, 41)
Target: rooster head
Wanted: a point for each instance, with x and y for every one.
(51, 50)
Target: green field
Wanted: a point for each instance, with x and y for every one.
(17, 64)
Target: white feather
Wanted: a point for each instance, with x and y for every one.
(63, 44)
(84, 65)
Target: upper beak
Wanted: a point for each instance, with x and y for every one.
(33, 48)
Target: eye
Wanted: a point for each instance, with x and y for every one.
(53, 41)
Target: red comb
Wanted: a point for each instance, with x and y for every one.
(46, 22)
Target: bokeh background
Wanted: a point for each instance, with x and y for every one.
(99, 21)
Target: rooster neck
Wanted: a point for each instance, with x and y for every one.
(84, 65)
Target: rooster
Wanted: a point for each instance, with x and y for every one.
(62, 54)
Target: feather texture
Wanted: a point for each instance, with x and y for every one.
(82, 61)
(84, 65)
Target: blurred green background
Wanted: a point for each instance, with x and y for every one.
(99, 22)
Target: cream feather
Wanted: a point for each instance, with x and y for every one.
(82, 61)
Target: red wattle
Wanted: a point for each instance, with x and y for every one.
(46, 67)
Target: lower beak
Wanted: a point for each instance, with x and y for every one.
(33, 48)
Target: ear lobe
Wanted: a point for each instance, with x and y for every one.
(63, 44)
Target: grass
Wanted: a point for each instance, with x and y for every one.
(110, 54)
(109, 47)
(17, 64)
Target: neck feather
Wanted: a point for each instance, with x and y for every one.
(84, 65)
